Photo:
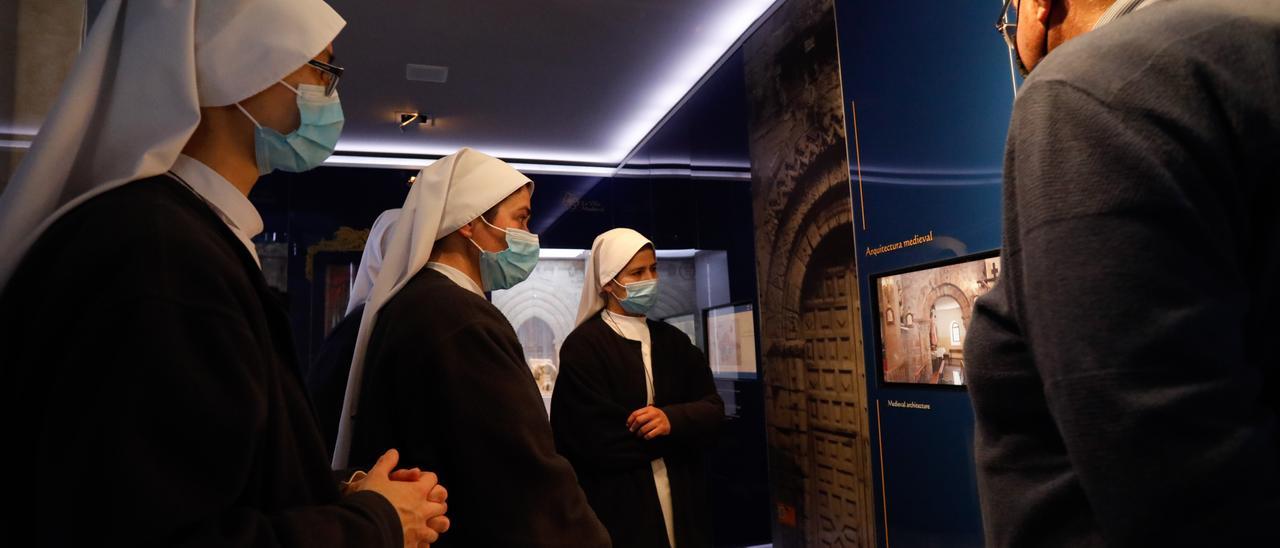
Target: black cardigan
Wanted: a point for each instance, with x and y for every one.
(152, 392)
(327, 376)
(446, 382)
(600, 383)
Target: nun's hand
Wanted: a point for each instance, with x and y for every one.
(439, 523)
(411, 474)
(417, 497)
(438, 493)
(649, 422)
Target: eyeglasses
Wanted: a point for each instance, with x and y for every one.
(332, 73)
(1009, 30)
(1006, 28)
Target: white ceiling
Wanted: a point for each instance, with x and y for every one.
(561, 81)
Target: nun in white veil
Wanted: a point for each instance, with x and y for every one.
(439, 373)
(371, 259)
(147, 367)
(635, 404)
(327, 375)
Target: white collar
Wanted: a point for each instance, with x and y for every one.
(628, 327)
(456, 276)
(226, 200)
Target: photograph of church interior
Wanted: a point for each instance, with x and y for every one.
(924, 315)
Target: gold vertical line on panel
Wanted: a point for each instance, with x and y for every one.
(857, 150)
(884, 488)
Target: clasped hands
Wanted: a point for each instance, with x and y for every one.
(417, 496)
(648, 422)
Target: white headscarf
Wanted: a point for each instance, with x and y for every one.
(447, 194)
(133, 97)
(371, 259)
(609, 254)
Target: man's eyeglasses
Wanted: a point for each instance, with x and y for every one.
(332, 73)
(1007, 26)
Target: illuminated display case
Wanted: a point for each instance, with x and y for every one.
(731, 340)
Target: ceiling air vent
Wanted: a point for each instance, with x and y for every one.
(426, 73)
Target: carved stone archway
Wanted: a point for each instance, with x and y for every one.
(811, 316)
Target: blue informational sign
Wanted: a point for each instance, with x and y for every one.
(927, 94)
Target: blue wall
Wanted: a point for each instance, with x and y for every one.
(931, 86)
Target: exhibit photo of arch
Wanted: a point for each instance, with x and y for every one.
(817, 418)
(923, 317)
(543, 308)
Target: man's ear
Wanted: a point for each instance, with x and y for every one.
(1041, 10)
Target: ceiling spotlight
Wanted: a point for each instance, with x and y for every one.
(407, 118)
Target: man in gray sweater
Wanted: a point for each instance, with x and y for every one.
(1122, 371)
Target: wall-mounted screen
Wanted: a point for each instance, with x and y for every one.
(731, 340)
(922, 315)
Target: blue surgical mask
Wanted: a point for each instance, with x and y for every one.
(504, 269)
(641, 296)
(305, 148)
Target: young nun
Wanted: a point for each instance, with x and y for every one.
(438, 371)
(634, 405)
(327, 376)
(152, 393)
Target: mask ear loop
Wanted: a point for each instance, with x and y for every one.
(499, 229)
(615, 281)
(486, 221)
(473, 242)
(255, 120)
(250, 116)
(607, 318)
